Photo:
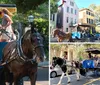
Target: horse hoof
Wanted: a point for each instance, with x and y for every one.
(58, 84)
(68, 82)
(77, 79)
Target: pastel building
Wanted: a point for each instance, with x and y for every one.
(86, 18)
(67, 16)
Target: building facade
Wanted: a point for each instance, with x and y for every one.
(66, 17)
(70, 15)
(86, 18)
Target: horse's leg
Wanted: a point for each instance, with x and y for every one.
(16, 80)
(33, 78)
(61, 78)
(68, 76)
(77, 71)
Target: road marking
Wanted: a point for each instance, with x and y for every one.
(92, 81)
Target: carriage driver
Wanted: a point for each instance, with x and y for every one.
(7, 24)
(65, 56)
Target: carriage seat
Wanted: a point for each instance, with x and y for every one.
(88, 64)
(2, 45)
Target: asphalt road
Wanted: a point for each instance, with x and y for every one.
(90, 80)
(42, 77)
(55, 40)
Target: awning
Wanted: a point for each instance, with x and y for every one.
(93, 50)
(7, 5)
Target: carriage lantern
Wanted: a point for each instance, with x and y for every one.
(30, 19)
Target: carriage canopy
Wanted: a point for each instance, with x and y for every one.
(11, 7)
(93, 50)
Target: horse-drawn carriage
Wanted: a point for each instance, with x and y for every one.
(81, 68)
(20, 57)
(93, 62)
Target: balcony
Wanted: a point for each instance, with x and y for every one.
(84, 22)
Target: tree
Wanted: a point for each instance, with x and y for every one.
(53, 6)
(24, 4)
(39, 9)
(96, 10)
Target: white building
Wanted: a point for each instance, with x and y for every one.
(70, 15)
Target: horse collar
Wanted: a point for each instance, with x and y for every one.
(21, 54)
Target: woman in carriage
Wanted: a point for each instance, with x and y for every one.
(7, 25)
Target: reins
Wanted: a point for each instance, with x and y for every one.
(20, 53)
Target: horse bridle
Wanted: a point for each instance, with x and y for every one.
(23, 57)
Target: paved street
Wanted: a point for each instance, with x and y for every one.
(55, 40)
(42, 77)
(90, 80)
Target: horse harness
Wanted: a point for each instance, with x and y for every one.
(21, 55)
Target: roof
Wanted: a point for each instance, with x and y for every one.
(93, 50)
(85, 9)
(7, 5)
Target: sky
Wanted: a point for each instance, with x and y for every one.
(86, 3)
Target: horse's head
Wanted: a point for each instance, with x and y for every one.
(37, 44)
(54, 61)
(55, 32)
(57, 61)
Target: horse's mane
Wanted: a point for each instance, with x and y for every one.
(27, 34)
(59, 60)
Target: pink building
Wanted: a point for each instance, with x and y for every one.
(70, 15)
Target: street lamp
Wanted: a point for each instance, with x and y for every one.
(30, 19)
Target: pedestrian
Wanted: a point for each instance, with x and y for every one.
(6, 16)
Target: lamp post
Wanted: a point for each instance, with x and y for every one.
(30, 19)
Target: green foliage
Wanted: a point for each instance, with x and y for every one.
(37, 8)
(96, 10)
(53, 6)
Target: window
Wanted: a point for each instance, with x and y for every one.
(72, 10)
(87, 20)
(67, 19)
(75, 12)
(92, 21)
(66, 29)
(86, 12)
(71, 3)
(50, 16)
(53, 17)
(67, 9)
(89, 13)
(75, 21)
(71, 20)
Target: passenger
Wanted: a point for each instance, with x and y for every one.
(96, 60)
(90, 56)
(7, 24)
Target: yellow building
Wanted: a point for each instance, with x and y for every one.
(86, 19)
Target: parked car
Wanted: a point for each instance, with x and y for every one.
(56, 71)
